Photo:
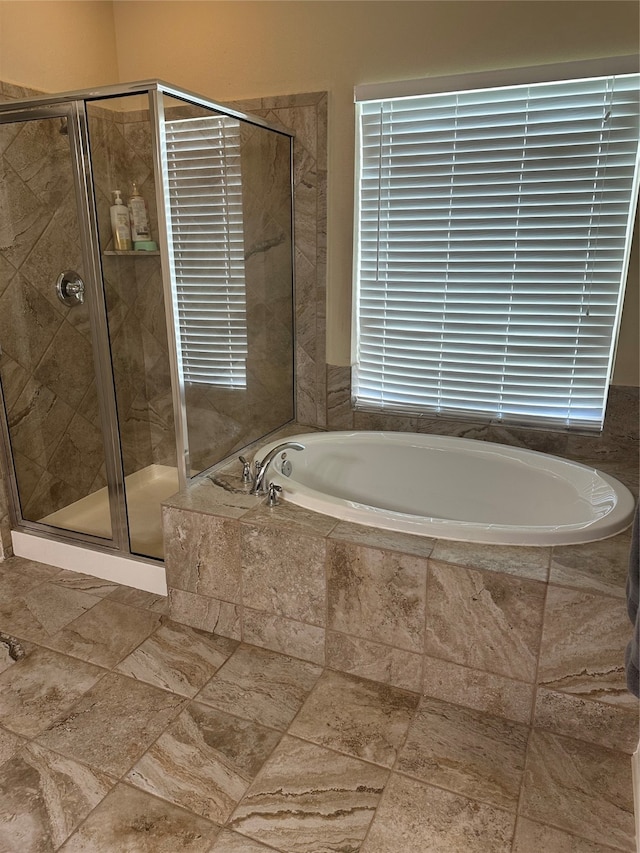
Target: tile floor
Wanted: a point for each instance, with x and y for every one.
(123, 731)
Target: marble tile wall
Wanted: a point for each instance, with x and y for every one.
(530, 635)
(306, 115)
(233, 418)
(238, 418)
(47, 366)
(120, 154)
(223, 420)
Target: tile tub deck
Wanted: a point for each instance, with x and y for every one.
(525, 633)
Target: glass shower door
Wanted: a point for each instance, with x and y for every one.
(122, 155)
(47, 371)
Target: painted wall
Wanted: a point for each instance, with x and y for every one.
(57, 45)
(232, 50)
(241, 50)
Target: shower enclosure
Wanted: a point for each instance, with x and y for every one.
(125, 373)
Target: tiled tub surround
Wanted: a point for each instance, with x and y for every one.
(122, 731)
(529, 634)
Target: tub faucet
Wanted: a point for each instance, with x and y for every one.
(261, 467)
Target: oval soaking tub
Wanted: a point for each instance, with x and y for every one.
(450, 488)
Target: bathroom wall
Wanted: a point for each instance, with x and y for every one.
(275, 48)
(57, 45)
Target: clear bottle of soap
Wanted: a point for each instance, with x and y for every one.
(120, 227)
(138, 216)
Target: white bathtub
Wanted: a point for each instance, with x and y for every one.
(451, 488)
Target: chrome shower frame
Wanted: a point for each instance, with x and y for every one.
(70, 107)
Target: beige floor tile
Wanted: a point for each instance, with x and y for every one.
(532, 837)
(113, 724)
(361, 718)
(581, 788)
(417, 818)
(87, 583)
(231, 842)
(106, 634)
(130, 821)
(140, 598)
(276, 755)
(43, 798)
(30, 571)
(177, 658)
(465, 751)
(9, 745)
(263, 686)
(308, 799)
(205, 761)
(38, 613)
(42, 687)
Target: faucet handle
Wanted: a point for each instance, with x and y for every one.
(246, 470)
(272, 493)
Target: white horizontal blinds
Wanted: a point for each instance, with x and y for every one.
(205, 195)
(492, 243)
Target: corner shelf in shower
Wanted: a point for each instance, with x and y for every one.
(130, 254)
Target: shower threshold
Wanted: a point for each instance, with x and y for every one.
(145, 490)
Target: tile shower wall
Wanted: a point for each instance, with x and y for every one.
(222, 420)
(57, 443)
(133, 290)
(121, 153)
(306, 116)
(240, 418)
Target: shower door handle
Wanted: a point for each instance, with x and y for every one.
(70, 288)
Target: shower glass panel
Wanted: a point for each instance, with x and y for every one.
(124, 373)
(122, 153)
(229, 216)
(47, 365)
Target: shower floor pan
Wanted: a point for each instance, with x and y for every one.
(145, 490)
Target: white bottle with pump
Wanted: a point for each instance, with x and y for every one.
(120, 224)
(138, 216)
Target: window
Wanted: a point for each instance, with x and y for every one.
(492, 243)
(205, 195)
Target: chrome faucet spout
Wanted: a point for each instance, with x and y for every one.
(261, 467)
